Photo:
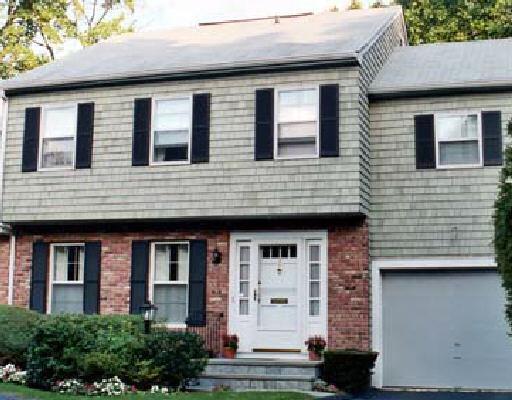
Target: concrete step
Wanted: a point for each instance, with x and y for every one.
(260, 374)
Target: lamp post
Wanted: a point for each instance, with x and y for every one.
(149, 315)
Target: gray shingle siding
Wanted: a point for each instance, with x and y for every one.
(231, 184)
(371, 61)
(428, 212)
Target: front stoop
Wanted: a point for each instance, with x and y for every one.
(260, 374)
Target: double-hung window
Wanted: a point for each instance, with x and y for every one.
(169, 283)
(296, 123)
(171, 130)
(58, 137)
(67, 279)
(458, 140)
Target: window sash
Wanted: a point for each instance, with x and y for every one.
(314, 287)
(171, 130)
(443, 138)
(183, 276)
(58, 125)
(296, 123)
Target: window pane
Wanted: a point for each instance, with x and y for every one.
(244, 272)
(298, 105)
(296, 149)
(57, 152)
(171, 262)
(314, 272)
(171, 138)
(59, 122)
(314, 289)
(314, 307)
(244, 289)
(455, 127)
(314, 253)
(171, 301)
(67, 299)
(456, 153)
(244, 254)
(68, 263)
(244, 307)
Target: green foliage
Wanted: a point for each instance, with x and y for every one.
(84, 347)
(92, 348)
(503, 227)
(17, 327)
(178, 355)
(430, 21)
(349, 370)
(32, 31)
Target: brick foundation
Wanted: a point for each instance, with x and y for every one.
(348, 304)
(4, 269)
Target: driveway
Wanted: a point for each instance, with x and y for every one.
(383, 395)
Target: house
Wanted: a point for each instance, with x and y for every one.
(439, 114)
(275, 178)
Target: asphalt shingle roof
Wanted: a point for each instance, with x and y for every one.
(328, 35)
(446, 65)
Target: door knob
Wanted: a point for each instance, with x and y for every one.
(255, 295)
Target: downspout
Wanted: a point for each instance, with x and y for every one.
(12, 243)
(12, 258)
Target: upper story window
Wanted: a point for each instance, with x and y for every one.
(58, 135)
(171, 130)
(458, 140)
(67, 279)
(169, 284)
(296, 123)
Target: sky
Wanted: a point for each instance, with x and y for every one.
(158, 14)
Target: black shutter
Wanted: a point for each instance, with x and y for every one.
(139, 278)
(329, 120)
(141, 131)
(264, 129)
(491, 135)
(31, 139)
(197, 284)
(84, 135)
(92, 262)
(201, 128)
(425, 141)
(39, 277)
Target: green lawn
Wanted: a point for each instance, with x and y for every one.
(33, 394)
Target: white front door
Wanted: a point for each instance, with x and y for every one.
(277, 290)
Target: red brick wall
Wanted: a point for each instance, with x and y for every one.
(4, 269)
(348, 273)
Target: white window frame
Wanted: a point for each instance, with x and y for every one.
(51, 269)
(321, 298)
(437, 116)
(152, 282)
(279, 90)
(44, 109)
(155, 100)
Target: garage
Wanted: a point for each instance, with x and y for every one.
(445, 329)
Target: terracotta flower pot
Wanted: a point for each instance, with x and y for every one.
(228, 352)
(314, 356)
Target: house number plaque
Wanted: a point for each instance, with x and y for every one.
(279, 300)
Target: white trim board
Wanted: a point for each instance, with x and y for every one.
(408, 264)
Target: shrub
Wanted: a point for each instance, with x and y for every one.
(17, 329)
(349, 370)
(178, 355)
(84, 347)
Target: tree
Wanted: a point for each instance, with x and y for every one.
(31, 31)
(355, 5)
(503, 227)
(430, 21)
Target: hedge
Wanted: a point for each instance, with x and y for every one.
(17, 327)
(349, 370)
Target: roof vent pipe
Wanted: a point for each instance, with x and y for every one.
(276, 19)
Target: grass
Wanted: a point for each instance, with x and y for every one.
(34, 394)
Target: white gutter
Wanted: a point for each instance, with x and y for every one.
(12, 266)
(5, 110)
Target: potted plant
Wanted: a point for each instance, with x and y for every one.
(316, 345)
(229, 345)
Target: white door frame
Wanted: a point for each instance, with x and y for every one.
(403, 264)
(316, 325)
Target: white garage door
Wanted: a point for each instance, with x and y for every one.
(444, 330)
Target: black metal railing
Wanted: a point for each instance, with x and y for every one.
(211, 332)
